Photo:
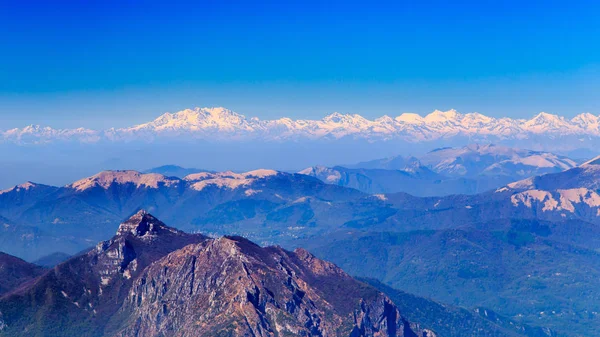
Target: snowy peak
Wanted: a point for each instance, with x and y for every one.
(230, 180)
(438, 116)
(26, 186)
(410, 118)
(218, 123)
(587, 175)
(106, 179)
(569, 200)
(338, 118)
(36, 134)
(544, 116)
(476, 117)
(585, 118)
(197, 181)
(326, 174)
(196, 120)
(544, 122)
(335, 117)
(260, 173)
(489, 159)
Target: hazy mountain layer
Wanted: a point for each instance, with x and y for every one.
(269, 207)
(448, 320)
(421, 183)
(477, 160)
(536, 273)
(174, 171)
(468, 170)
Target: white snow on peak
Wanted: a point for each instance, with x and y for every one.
(410, 118)
(218, 123)
(107, 178)
(544, 122)
(197, 119)
(228, 179)
(36, 134)
(329, 175)
(561, 200)
(494, 159)
(529, 198)
(587, 121)
(261, 173)
(521, 184)
(540, 160)
(438, 116)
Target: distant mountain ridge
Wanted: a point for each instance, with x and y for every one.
(475, 159)
(455, 321)
(174, 171)
(270, 206)
(421, 181)
(491, 159)
(521, 269)
(471, 169)
(41, 219)
(221, 124)
(552, 219)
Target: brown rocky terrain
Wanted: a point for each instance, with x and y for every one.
(153, 280)
(232, 287)
(80, 296)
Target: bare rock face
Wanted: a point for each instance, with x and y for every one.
(80, 296)
(152, 280)
(232, 287)
(144, 225)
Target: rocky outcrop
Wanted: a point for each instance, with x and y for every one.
(81, 296)
(232, 287)
(152, 280)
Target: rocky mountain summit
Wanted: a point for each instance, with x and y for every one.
(81, 295)
(232, 287)
(153, 280)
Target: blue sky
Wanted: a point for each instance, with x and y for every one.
(115, 63)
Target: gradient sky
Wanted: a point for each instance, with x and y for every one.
(115, 63)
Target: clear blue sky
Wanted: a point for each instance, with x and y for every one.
(114, 63)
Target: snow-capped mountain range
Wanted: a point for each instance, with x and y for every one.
(222, 124)
(470, 169)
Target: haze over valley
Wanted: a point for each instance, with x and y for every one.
(457, 225)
